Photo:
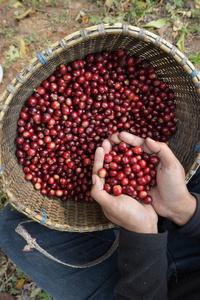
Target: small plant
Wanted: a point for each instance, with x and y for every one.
(44, 296)
(31, 39)
(195, 27)
(178, 3)
(12, 54)
(9, 32)
(136, 10)
(95, 19)
(195, 58)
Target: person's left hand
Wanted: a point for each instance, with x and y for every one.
(121, 210)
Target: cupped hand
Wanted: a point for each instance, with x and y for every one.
(122, 210)
(171, 198)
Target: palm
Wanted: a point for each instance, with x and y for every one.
(126, 210)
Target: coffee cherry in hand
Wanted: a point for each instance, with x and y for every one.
(129, 170)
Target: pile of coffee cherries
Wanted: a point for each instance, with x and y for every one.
(129, 170)
(69, 115)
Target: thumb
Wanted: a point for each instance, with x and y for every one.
(163, 152)
(99, 194)
(97, 182)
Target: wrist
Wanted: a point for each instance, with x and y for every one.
(149, 230)
(185, 210)
(150, 226)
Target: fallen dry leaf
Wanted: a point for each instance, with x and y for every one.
(35, 292)
(18, 4)
(74, 5)
(28, 279)
(197, 4)
(189, 13)
(20, 283)
(175, 34)
(80, 15)
(23, 49)
(85, 19)
(28, 288)
(177, 25)
(25, 14)
(125, 6)
(108, 3)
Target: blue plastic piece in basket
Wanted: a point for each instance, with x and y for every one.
(193, 74)
(197, 148)
(44, 217)
(2, 169)
(42, 58)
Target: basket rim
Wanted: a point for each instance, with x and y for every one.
(58, 47)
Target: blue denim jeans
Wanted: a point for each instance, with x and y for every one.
(59, 281)
(97, 282)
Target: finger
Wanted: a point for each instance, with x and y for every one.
(100, 195)
(134, 140)
(98, 160)
(114, 138)
(163, 152)
(107, 146)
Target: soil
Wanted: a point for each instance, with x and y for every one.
(44, 26)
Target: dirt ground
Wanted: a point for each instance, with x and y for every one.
(39, 30)
(28, 27)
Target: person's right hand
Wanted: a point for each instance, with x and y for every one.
(171, 198)
(122, 210)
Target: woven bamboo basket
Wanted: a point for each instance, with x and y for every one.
(171, 66)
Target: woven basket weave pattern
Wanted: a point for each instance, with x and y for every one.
(170, 65)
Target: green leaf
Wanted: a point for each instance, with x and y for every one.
(14, 278)
(195, 58)
(156, 24)
(113, 21)
(181, 42)
(178, 3)
(95, 19)
(13, 292)
(44, 296)
(141, 4)
(35, 292)
(13, 53)
(19, 270)
(196, 27)
(9, 32)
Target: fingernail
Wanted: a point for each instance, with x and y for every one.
(151, 139)
(93, 179)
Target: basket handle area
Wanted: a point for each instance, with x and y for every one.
(32, 244)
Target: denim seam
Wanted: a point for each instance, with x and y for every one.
(173, 264)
